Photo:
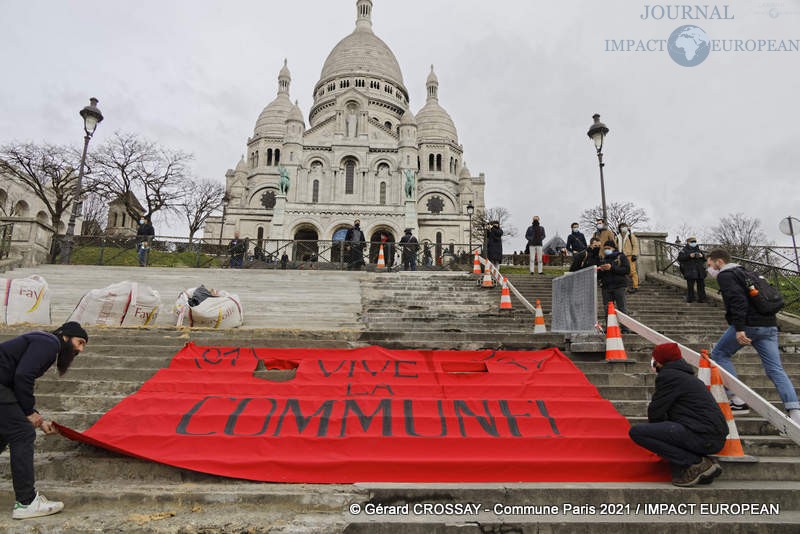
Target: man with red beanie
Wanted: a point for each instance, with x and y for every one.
(685, 422)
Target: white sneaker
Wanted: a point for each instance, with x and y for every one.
(794, 415)
(38, 507)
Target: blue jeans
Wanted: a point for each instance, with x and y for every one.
(765, 341)
(142, 254)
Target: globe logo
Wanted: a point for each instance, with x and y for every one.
(688, 46)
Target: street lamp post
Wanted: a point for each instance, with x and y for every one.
(225, 200)
(470, 211)
(597, 133)
(91, 118)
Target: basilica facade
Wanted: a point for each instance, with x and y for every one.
(363, 155)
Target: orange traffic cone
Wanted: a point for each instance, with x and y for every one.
(505, 296)
(476, 264)
(615, 350)
(487, 275)
(704, 368)
(732, 451)
(381, 259)
(538, 320)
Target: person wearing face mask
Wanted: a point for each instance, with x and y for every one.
(693, 268)
(144, 237)
(23, 359)
(613, 272)
(685, 423)
(628, 244)
(535, 236)
(494, 243)
(602, 232)
(748, 327)
(588, 257)
(354, 246)
(576, 242)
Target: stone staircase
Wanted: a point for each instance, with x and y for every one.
(106, 492)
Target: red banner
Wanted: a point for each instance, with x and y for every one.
(376, 415)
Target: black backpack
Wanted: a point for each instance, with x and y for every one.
(764, 297)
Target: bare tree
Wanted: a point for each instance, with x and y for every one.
(48, 171)
(128, 167)
(95, 214)
(740, 236)
(686, 230)
(202, 199)
(481, 220)
(618, 212)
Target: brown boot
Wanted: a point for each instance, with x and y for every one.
(705, 469)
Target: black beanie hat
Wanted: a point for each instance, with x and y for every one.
(611, 244)
(72, 329)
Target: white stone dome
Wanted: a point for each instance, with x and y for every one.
(433, 122)
(362, 53)
(272, 121)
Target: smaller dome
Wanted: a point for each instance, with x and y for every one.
(272, 121)
(434, 123)
(295, 114)
(408, 119)
(464, 171)
(241, 166)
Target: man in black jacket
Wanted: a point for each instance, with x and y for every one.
(588, 257)
(23, 359)
(354, 246)
(748, 327)
(144, 238)
(685, 423)
(410, 247)
(693, 268)
(535, 236)
(612, 272)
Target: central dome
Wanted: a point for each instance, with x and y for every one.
(362, 52)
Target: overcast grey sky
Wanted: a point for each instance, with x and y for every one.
(520, 78)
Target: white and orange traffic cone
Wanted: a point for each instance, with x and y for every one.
(476, 264)
(487, 275)
(615, 350)
(733, 450)
(381, 258)
(505, 296)
(538, 320)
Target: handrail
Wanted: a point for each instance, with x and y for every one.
(499, 277)
(763, 407)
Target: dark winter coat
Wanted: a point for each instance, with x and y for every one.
(494, 244)
(23, 359)
(410, 246)
(682, 398)
(145, 232)
(692, 268)
(576, 242)
(535, 235)
(237, 248)
(589, 257)
(617, 276)
(355, 242)
(739, 312)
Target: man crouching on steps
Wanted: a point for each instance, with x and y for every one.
(23, 359)
(685, 422)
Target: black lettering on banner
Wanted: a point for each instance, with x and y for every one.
(373, 373)
(408, 416)
(397, 365)
(230, 426)
(214, 356)
(351, 393)
(303, 422)
(187, 417)
(327, 373)
(511, 418)
(488, 423)
(543, 411)
(384, 406)
(237, 352)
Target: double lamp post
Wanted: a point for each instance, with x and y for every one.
(91, 118)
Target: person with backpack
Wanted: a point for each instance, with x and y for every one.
(750, 308)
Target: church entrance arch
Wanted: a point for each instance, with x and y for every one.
(385, 236)
(306, 246)
(337, 249)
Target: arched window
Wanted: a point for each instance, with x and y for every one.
(277, 156)
(315, 191)
(256, 160)
(388, 125)
(431, 162)
(452, 166)
(438, 162)
(349, 176)
(269, 157)
(383, 194)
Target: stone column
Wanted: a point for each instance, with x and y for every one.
(277, 228)
(647, 251)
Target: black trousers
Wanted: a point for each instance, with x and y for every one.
(18, 433)
(618, 296)
(676, 443)
(701, 289)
